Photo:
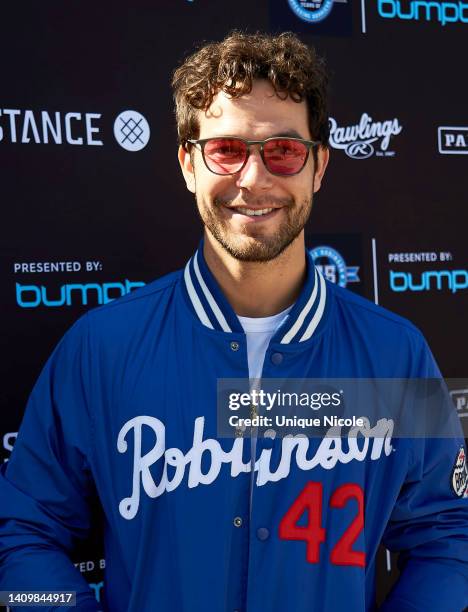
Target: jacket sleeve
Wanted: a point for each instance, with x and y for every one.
(46, 486)
(429, 523)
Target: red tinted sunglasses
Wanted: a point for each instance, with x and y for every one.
(282, 156)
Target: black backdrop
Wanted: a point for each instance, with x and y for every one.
(392, 209)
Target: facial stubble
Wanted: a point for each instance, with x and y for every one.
(256, 246)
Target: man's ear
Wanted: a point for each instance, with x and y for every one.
(323, 155)
(186, 166)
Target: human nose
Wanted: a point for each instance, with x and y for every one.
(254, 175)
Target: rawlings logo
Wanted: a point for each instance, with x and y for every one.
(357, 139)
(329, 453)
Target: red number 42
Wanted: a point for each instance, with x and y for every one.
(311, 499)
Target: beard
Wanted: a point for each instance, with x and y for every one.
(252, 244)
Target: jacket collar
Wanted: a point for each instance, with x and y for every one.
(214, 311)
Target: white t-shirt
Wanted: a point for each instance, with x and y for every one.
(259, 331)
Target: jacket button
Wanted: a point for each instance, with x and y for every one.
(276, 358)
(239, 433)
(263, 534)
(234, 346)
(237, 521)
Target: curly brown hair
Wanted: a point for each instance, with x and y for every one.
(293, 69)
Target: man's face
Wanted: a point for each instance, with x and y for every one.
(222, 200)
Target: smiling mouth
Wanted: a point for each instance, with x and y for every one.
(252, 212)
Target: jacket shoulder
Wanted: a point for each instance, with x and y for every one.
(151, 293)
(129, 316)
(372, 313)
(392, 345)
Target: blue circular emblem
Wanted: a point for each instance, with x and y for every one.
(325, 252)
(312, 15)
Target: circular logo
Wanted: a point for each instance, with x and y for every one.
(131, 130)
(359, 150)
(319, 11)
(332, 265)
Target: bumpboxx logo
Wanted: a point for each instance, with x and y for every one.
(131, 129)
(333, 266)
(429, 280)
(71, 294)
(363, 139)
(443, 279)
(421, 10)
(54, 295)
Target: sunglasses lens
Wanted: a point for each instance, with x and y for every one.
(285, 156)
(225, 155)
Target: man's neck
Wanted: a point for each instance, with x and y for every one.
(258, 289)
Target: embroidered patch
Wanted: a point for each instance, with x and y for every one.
(459, 478)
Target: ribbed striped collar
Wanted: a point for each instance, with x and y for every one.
(214, 311)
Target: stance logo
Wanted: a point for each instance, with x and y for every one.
(43, 127)
(131, 130)
(359, 141)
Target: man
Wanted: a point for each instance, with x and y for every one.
(126, 406)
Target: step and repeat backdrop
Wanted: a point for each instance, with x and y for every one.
(94, 206)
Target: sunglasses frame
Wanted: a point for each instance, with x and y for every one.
(202, 142)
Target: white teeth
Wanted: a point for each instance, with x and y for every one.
(254, 213)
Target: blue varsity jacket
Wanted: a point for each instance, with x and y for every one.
(125, 409)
